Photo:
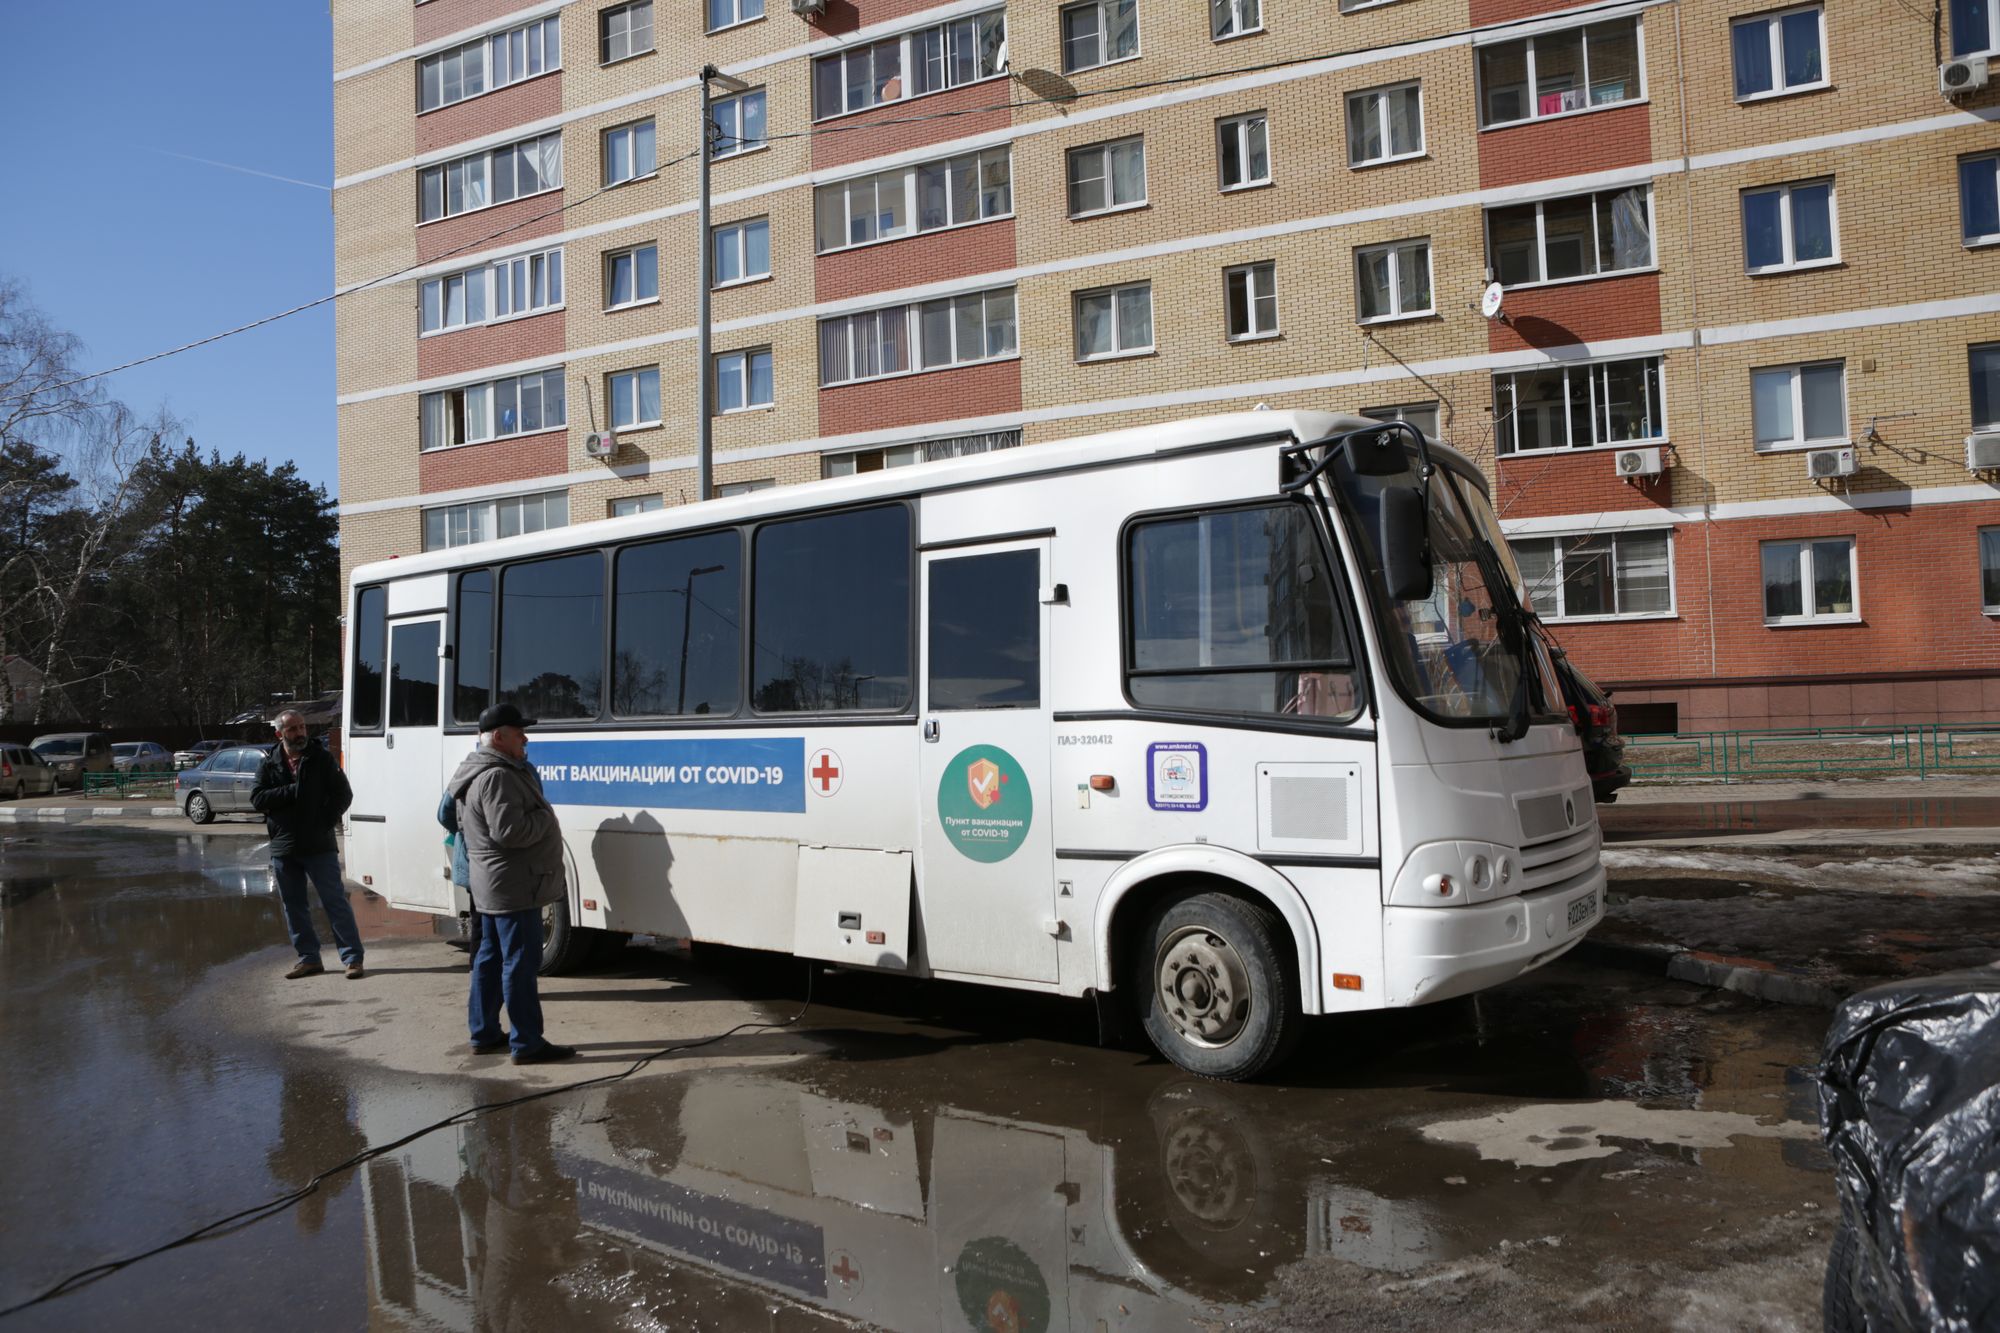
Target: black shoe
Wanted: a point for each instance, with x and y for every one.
(490, 1047)
(543, 1054)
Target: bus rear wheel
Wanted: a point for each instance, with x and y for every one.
(565, 945)
(1216, 987)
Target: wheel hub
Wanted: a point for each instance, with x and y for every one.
(1204, 987)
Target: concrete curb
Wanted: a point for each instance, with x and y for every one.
(1745, 976)
(83, 814)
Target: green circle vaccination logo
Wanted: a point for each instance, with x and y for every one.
(984, 803)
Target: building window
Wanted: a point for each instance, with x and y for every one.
(1597, 576)
(1116, 321)
(742, 251)
(1583, 236)
(1975, 27)
(1985, 360)
(729, 488)
(635, 398)
(496, 176)
(928, 335)
(1611, 403)
(1393, 281)
(1351, 6)
(928, 60)
(729, 13)
(739, 123)
(1809, 581)
(1107, 176)
(523, 285)
(1234, 18)
(625, 31)
(1553, 73)
(1099, 32)
(1424, 416)
(637, 504)
(1979, 198)
(470, 413)
(490, 62)
(631, 277)
(1989, 570)
(1780, 52)
(743, 380)
(628, 152)
(927, 451)
(1788, 226)
(1243, 151)
(1385, 124)
(1250, 295)
(483, 520)
(1800, 407)
(951, 192)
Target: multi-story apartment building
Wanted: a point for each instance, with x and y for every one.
(1737, 247)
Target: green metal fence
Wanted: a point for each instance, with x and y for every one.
(1911, 750)
(128, 785)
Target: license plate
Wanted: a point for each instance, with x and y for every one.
(1583, 909)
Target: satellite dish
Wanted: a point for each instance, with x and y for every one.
(1489, 300)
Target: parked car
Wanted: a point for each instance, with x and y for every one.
(141, 757)
(219, 784)
(1596, 721)
(25, 773)
(199, 751)
(75, 753)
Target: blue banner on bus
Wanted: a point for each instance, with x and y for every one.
(765, 773)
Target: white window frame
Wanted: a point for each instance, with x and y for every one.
(1790, 264)
(488, 390)
(1358, 6)
(493, 278)
(441, 172)
(1773, 21)
(1103, 26)
(626, 506)
(1246, 276)
(732, 108)
(1396, 250)
(630, 129)
(1651, 265)
(630, 384)
(725, 489)
(1988, 537)
(1119, 348)
(1809, 616)
(628, 11)
(536, 37)
(910, 46)
(1532, 103)
(743, 358)
(737, 7)
(632, 252)
(1799, 439)
(494, 513)
(1240, 128)
(1991, 161)
(1555, 612)
(1102, 152)
(993, 302)
(1402, 411)
(1234, 10)
(908, 182)
(736, 236)
(1992, 46)
(1502, 417)
(1380, 111)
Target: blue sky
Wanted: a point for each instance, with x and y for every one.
(134, 251)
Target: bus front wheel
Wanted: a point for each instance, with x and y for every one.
(565, 945)
(1216, 986)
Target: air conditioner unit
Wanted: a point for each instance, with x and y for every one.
(1958, 78)
(1639, 462)
(600, 444)
(1824, 463)
(809, 9)
(1982, 451)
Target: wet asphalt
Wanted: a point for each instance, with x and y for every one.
(1586, 1144)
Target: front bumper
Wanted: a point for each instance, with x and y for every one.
(1435, 953)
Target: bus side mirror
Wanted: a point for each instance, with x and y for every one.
(1402, 540)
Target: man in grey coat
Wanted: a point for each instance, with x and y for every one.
(514, 850)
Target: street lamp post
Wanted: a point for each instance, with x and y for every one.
(704, 455)
(687, 621)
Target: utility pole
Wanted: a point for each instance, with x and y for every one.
(687, 622)
(704, 453)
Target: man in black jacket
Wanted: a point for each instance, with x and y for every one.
(302, 794)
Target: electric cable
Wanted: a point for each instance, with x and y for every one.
(247, 1217)
(1063, 99)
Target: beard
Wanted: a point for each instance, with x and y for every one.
(295, 743)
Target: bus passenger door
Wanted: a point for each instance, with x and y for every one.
(419, 870)
(986, 876)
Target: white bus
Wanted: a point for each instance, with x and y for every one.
(1240, 718)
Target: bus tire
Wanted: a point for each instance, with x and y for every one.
(565, 946)
(1216, 987)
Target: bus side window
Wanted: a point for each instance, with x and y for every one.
(677, 616)
(552, 637)
(830, 614)
(985, 631)
(472, 647)
(370, 648)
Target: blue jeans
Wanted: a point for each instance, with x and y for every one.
(505, 967)
(323, 869)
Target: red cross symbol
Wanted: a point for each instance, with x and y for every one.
(825, 771)
(846, 1271)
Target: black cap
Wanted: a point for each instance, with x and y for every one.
(503, 715)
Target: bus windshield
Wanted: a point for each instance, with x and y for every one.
(1456, 654)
